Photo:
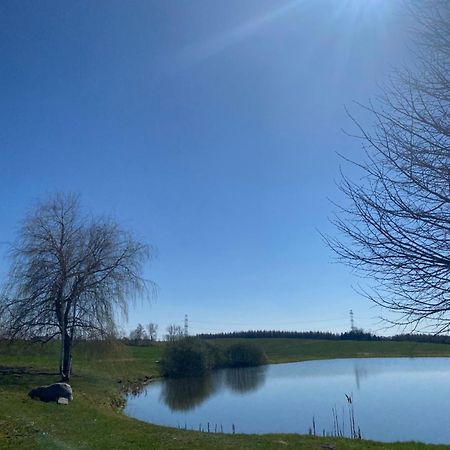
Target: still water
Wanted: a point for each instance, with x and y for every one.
(393, 399)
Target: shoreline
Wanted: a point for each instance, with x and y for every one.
(95, 419)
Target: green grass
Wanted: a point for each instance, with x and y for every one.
(92, 420)
(291, 350)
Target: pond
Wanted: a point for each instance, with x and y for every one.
(393, 399)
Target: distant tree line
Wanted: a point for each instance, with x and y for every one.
(325, 335)
(142, 335)
(355, 335)
(435, 339)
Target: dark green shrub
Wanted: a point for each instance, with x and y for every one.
(245, 354)
(216, 355)
(186, 357)
(194, 357)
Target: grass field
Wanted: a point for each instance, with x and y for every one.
(290, 350)
(94, 421)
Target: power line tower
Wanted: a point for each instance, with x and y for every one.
(352, 321)
(186, 326)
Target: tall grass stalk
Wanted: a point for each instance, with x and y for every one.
(339, 425)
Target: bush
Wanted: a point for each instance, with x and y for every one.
(216, 355)
(186, 357)
(244, 354)
(194, 357)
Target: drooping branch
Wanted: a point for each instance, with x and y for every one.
(70, 275)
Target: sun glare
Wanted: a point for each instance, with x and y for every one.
(356, 13)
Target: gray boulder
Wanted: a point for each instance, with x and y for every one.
(52, 392)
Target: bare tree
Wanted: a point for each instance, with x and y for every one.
(71, 276)
(152, 331)
(174, 333)
(396, 230)
(138, 334)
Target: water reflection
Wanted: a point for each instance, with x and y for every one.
(395, 398)
(360, 373)
(245, 379)
(184, 394)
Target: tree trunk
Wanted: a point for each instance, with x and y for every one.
(65, 364)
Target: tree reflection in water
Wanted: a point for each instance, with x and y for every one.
(246, 379)
(184, 394)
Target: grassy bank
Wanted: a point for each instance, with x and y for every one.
(291, 350)
(93, 421)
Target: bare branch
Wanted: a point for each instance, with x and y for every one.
(396, 228)
(71, 276)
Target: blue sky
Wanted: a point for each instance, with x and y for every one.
(210, 129)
